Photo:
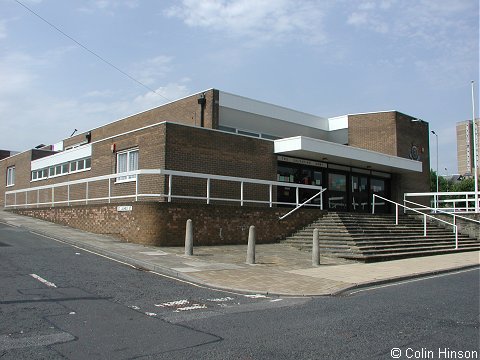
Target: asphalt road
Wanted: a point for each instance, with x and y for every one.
(61, 302)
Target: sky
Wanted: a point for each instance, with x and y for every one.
(68, 65)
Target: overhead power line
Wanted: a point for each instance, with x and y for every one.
(90, 51)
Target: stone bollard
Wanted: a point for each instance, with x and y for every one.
(315, 249)
(251, 245)
(189, 238)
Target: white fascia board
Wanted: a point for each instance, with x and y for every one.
(338, 122)
(318, 149)
(62, 157)
(241, 103)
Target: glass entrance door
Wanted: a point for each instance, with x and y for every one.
(359, 193)
(379, 187)
(337, 192)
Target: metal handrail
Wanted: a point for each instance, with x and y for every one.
(397, 205)
(469, 197)
(299, 206)
(454, 215)
(170, 174)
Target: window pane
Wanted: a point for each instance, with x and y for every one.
(80, 164)
(58, 170)
(51, 171)
(64, 168)
(122, 163)
(11, 176)
(73, 166)
(133, 161)
(34, 175)
(88, 163)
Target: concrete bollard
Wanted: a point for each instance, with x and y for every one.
(251, 245)
(189, 238)
(315, 249)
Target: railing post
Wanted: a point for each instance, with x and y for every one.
(425, 225)
(38, 198)
(298, 195)
(373, 204)
(86, 193)
(396, 214)
(271, 194)
(26, 198)
(170, 188)
(456, 237)
(321, 200)
(109, 190)
(68, 194)
(241, 193)
(53, 196)
(208, 190)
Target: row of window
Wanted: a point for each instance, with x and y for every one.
(62, 169)
(126, 161)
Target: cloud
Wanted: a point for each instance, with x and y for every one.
(150, 70)
(258, 21)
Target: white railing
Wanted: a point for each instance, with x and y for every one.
(451, 201)
(319, 194)
(425, 216)
(454, 215)
(12, 198)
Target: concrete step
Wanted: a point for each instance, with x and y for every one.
(366, 237)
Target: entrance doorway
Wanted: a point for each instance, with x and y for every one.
(359, 193)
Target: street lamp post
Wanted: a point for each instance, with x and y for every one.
(475, 171)
(436, 196)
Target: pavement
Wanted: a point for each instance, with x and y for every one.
(279, 269)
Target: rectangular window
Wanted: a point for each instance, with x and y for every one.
(80, 164)
(73, 166)
(88, 163)
(64, 168)
(51, 171)
(127, 161)
(11, 176)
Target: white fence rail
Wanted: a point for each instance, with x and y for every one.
(446, 201)
(135, 178)
(425, 216)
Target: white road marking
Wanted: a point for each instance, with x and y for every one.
(150, 314)
(43, 281)
(193, 307)
(173, 303)
(256, 296)
(228, 298)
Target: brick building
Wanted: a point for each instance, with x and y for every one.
(214, 132)
(465, 146)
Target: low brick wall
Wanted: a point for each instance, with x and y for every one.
(163, 224)
(466, 227)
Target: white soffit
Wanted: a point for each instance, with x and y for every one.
(308, 148)
(63, 157)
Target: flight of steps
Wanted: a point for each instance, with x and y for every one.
(369, 238)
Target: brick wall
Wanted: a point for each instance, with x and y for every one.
(394, 133)
(219, 153)
(376, 132)
(163, 224)
(184, 111)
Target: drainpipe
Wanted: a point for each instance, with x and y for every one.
(202, 101)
